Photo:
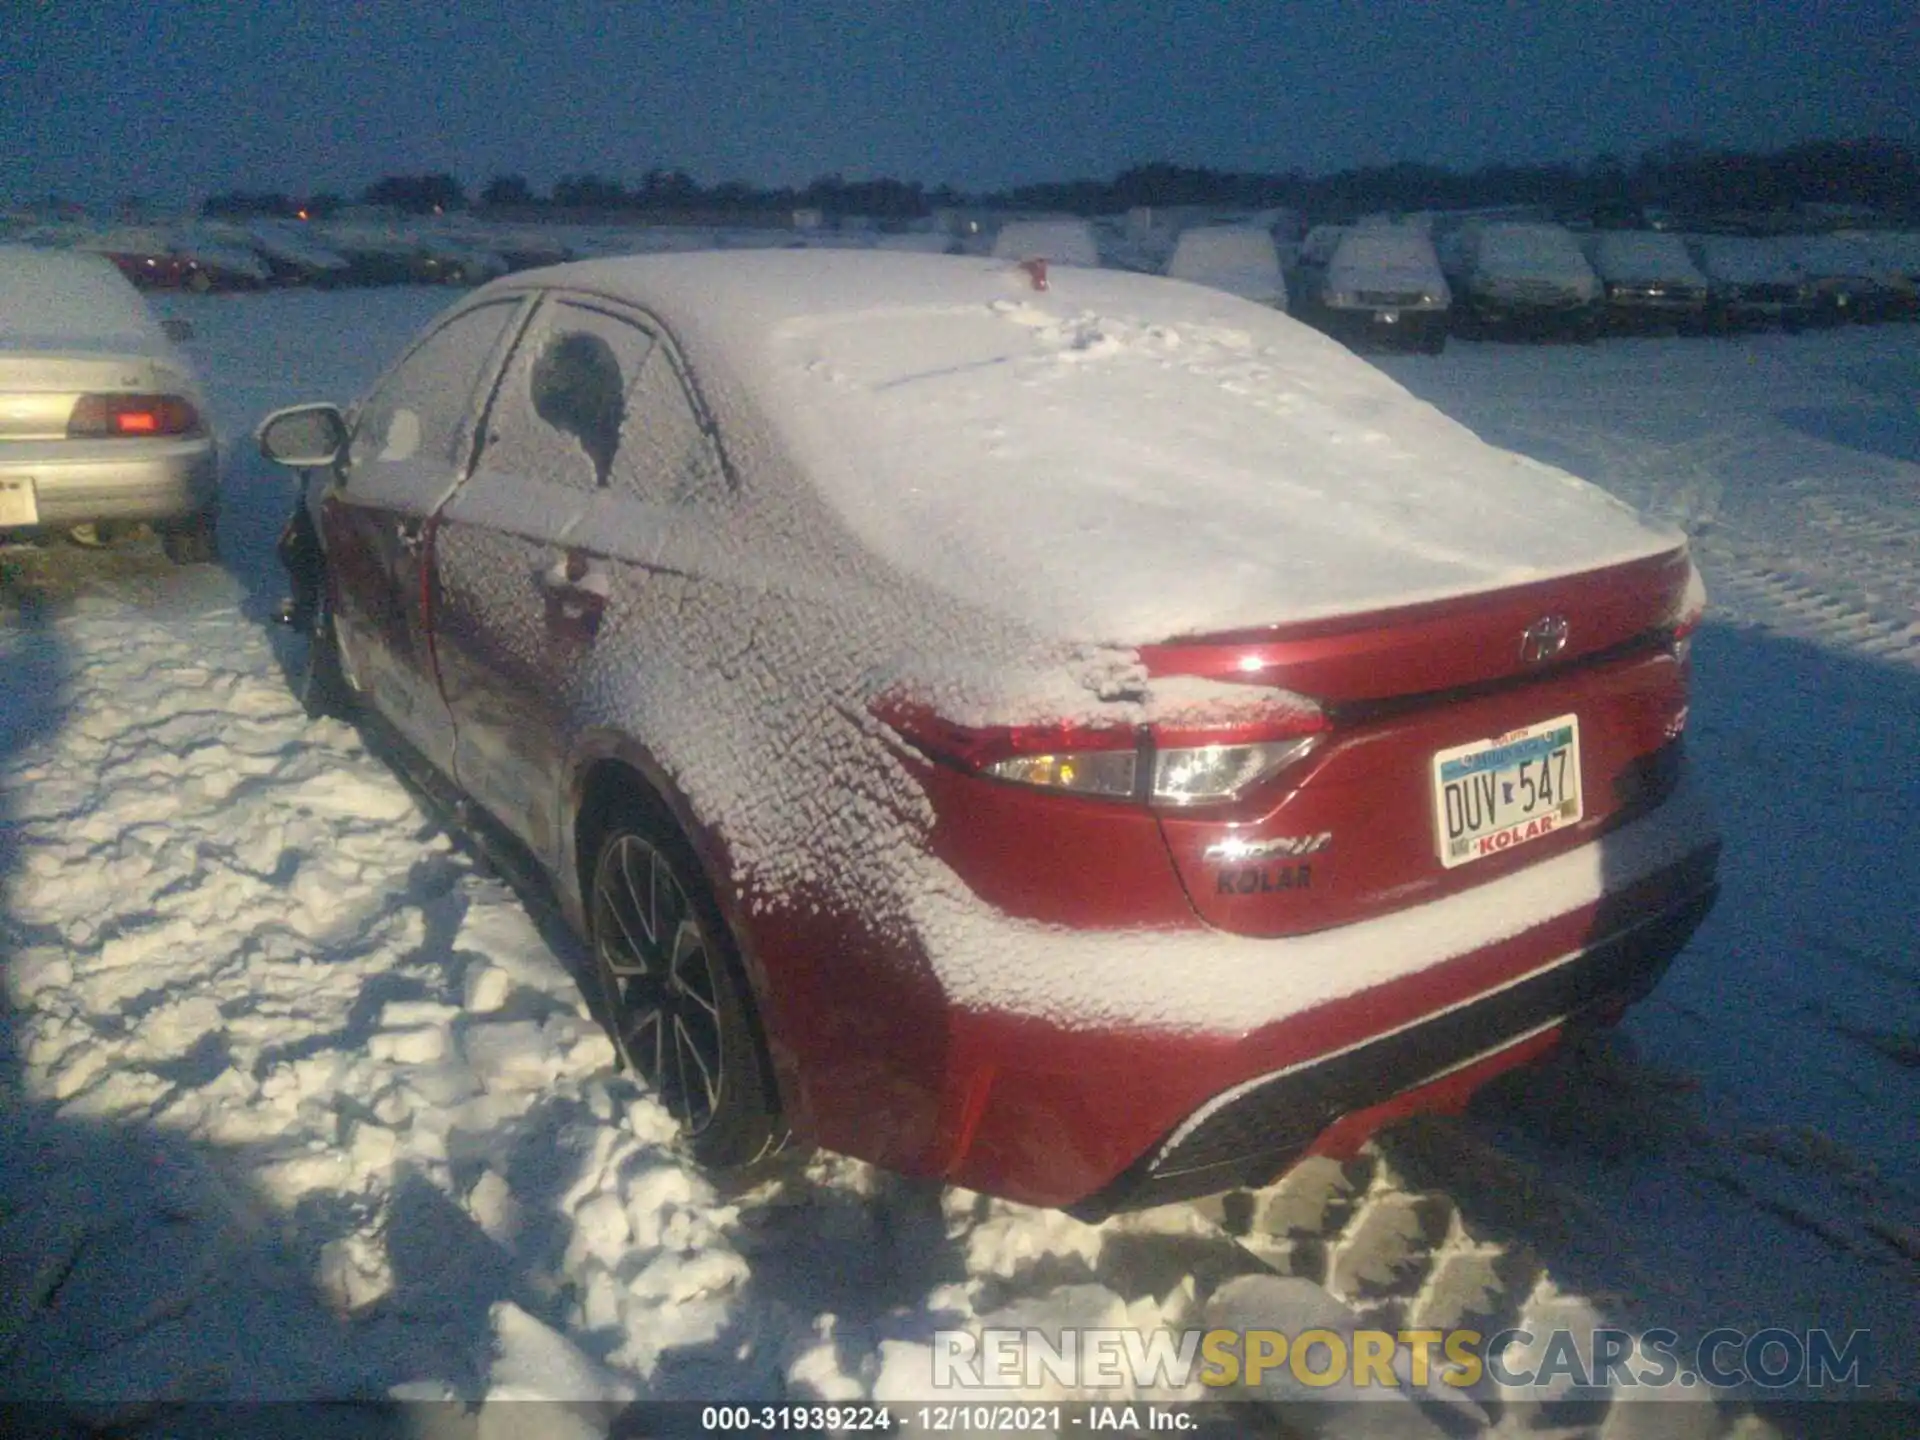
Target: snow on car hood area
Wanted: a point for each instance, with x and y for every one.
(1110, 463)
(298, 1100)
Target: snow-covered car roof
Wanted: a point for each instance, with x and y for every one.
(74, 300)
(1848, 255)
(228, 254)
(1117, 458)
(284, 243)
(1642, 255)
(1240, 259)
(1530, 247)
(1385, 257)
(1747, 259)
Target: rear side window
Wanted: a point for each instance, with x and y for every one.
(666, 454)
(594, 401)
(422, 413)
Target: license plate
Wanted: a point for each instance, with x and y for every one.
(18, 505)
(1510, 790)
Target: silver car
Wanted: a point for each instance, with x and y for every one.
(102, 419)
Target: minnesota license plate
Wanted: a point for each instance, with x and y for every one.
(18, 505)
(1510, 790)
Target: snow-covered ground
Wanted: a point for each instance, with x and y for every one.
(298, 1099)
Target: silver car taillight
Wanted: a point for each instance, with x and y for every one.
(110, 417)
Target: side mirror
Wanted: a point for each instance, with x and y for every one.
(303, 437)
(177, 330)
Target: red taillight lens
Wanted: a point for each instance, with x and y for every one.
(1177, 765)
(107, 417)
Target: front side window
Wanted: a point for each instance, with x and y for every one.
(422, 413)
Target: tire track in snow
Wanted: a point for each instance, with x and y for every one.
(1775, 592)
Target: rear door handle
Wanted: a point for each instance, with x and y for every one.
(576, 588)
(576, 577)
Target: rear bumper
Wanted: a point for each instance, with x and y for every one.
(160, 482)
(1408, 1012)
(1386, 326)
(1248, 1135)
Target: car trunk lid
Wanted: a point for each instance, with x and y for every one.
(1465, 739)
(1415, 650)
(38, 390)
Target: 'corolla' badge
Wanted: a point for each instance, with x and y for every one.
(1543, 639)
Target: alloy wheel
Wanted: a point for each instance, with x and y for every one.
(656, 966)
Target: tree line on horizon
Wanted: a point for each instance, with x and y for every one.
(1881, 174)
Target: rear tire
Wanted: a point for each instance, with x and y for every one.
(676, 998)
(194, 540)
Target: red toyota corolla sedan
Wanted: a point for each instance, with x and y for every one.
(1083, 735)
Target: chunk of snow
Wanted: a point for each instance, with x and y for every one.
(492, 1205)
(532, 1361)
(484, 988)
(510, 1055)
(678, 1278)
(409, 1047)
(600, 1227)
(354, 1273)
(1292, 1305)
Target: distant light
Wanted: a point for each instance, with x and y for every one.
(300, 214)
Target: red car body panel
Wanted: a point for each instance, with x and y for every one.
(1048, 1114)
(877, 1056)
(888, 1069)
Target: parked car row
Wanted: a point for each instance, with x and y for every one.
(210, 256)
(1378, 284)
(1536, 278)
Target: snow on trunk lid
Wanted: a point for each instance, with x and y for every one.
(1117, 460)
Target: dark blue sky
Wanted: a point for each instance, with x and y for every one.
(172, 100)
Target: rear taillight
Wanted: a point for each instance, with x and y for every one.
(1153, 764)
(109, 417)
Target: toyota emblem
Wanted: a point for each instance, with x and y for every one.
(1543, 639)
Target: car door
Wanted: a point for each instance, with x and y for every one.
(592, 422)
(412, 439)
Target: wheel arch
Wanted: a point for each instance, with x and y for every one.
(610, 772)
